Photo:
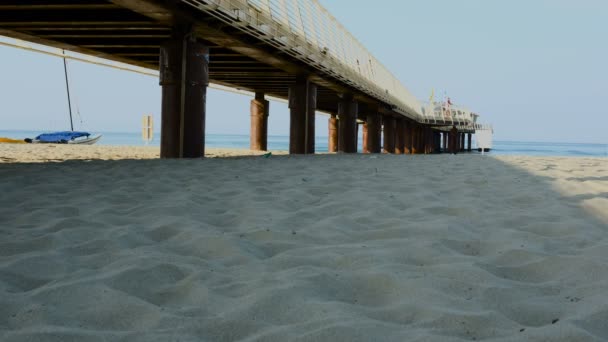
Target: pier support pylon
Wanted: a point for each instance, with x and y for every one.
(469, 148)
(413, 137)
(421, 139)
(374, 133)
(389, 134)
(302, 107)
(399, 137)
(453, 140)
(332, 144)
(184, 77)
(347, 112)
(258, 138)
(364, 126)
(428, 142)
(407, 137)
(437, 142)
(462, 142)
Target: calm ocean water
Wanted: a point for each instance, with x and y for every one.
(282, 143)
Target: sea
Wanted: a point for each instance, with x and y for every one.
(281, 143)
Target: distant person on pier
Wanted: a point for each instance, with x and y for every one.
(454, 140)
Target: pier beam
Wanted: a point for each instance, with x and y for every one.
(347, 112)
(374, 133)
(302, 106)
(399, 137)
(389, 134)
(332, 144)
(469, 148)
(184, 77)
(258, 138)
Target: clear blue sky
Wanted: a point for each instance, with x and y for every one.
(536, 69)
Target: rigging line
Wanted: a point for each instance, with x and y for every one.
(67, 86)
(75, 100)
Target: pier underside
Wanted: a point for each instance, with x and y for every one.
(191, 49)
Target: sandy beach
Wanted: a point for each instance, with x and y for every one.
(300, 248)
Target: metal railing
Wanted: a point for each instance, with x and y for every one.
(305, 30)
(442, 113)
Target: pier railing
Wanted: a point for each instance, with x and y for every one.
(305, 30)
(442, 114)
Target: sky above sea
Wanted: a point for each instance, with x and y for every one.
(535, 69)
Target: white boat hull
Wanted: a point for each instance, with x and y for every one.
(86, 141)
(90, 140)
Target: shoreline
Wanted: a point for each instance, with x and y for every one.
(35, 153)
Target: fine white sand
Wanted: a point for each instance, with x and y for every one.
(37, 153)
(316, 248)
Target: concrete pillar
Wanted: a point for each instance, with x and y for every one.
(347, 112)
(258, 137)
(332, 144)
(399, 137)
(407, 137)
(302, 106)
(389, 134)
(445, 141)
(374, 133)
(184, 77)
(469, 147)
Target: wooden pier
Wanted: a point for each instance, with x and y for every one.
(252, 46)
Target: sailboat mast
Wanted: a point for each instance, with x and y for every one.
(67, 86)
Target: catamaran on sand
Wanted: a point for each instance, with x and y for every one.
(67, 137)
(63, 137)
